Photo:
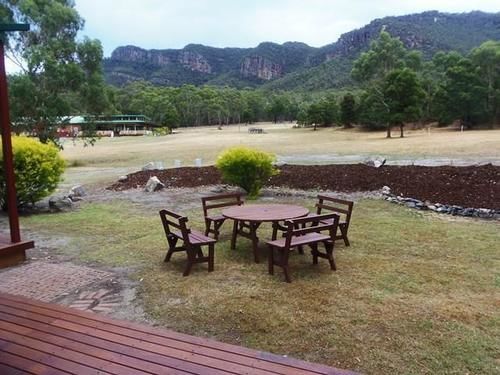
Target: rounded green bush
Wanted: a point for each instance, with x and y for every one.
(38, 168)
(247, 168)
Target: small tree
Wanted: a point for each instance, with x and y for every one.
(247, 168)
(348, 110)
(403, 96)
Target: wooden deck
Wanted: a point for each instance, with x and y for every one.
(41, 338)
(13, 253)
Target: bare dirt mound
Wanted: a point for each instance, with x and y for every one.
(473, 186)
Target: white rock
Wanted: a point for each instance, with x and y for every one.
(154, 184)
(148, 167)
(77, 191)
(376, 161)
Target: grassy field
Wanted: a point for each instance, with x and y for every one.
(207, 142)
(414, 294)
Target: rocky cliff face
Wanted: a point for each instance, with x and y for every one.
(138, 55)
(194, 61)
(261, 68)
(293, 64)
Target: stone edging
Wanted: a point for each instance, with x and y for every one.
(484, 213)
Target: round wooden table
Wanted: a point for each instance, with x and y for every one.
(249, 217)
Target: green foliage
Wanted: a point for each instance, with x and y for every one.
(348, 110)
(393, 92)
(38, 168)
(403, 95)
(487, 58)
(247, 168)
(162, 131)
(59, 75)
(460, 93)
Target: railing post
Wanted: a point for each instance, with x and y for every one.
(8, 164)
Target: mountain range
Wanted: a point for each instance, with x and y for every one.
(295, 65)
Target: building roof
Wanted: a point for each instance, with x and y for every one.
(109, 119)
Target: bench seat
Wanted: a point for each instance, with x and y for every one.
(300, 240)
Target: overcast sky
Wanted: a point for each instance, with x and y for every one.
(243, 23)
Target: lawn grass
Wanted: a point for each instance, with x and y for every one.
(415, 293)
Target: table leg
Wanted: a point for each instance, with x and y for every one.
(235, 233)
(255, 240)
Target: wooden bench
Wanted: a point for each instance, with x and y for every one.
(255, 130)
(214, 202)
(192, 241)
(340, 206)
(309, 231)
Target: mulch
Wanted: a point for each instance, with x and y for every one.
(471, 186)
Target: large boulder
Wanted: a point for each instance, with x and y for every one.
(77, 191)
(154, 184)
(60, 202)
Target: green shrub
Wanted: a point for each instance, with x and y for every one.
(164, 130)
(38, 169)
(246, 168)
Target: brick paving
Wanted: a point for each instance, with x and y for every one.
(47, 281)
(102, 300)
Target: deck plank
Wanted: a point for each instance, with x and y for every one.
(50, 332)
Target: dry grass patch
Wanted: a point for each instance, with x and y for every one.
(207, 142)
(413, 294)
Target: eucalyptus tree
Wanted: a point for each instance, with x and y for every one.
(58, 74)
(372, 69)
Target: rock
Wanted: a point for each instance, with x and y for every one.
(122, 178)
(485, 213)
(467, 212)
(376, 162)
(279, 163)
(154, 184)
(77, 191)
(218, 189)
(59, 202)
(149, 167)
(386, 190)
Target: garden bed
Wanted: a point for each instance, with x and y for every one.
(471, 186)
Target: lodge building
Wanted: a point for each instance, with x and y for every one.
(107, 126)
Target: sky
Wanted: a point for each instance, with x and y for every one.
(163, 24)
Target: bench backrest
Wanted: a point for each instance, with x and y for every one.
(326, 224)
(175, 225)
(339, 206)
(220, 200)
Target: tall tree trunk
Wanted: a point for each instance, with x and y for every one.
(388, 131)
(401, 129)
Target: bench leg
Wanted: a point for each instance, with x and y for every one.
(211, 253)
(172, 241)
(283, 262)
(343, 230)
(314, 252)
(191, 253)
(208, 223)
(329, 252)
(270, 260)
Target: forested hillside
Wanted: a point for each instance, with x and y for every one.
(296, 65)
